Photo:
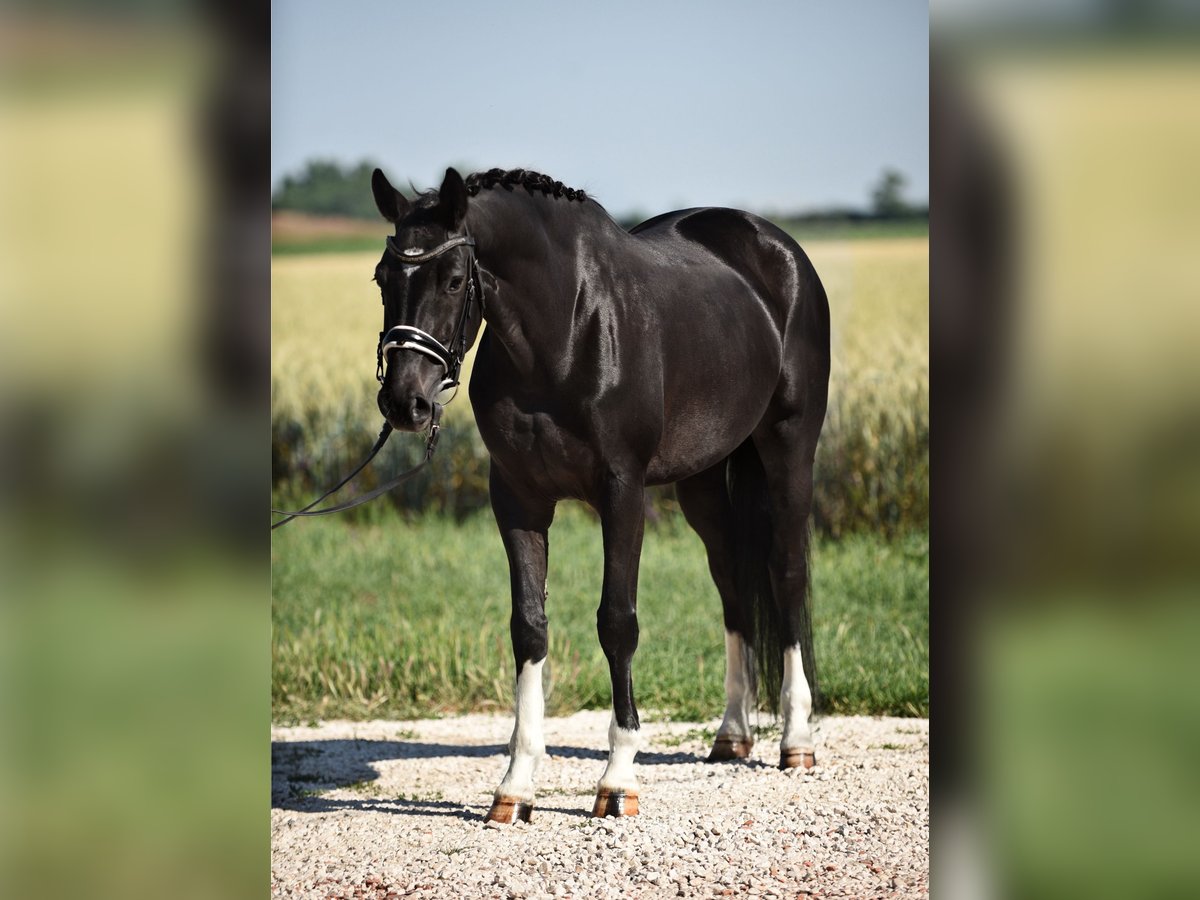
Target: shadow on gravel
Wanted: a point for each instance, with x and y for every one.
(405, 807)
(397, 806)
(302, 770)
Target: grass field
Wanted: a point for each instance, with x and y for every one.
(396, 618)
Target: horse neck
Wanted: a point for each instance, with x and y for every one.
(518, 231)
(531, 245)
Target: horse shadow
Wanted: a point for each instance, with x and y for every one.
(302, 771)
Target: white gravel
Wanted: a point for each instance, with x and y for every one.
(395, 809)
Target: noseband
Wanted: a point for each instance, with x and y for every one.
(409, 337)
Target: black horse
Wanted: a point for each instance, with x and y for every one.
(691, 350)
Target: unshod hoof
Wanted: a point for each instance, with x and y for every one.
(726, 748)
(792, 759)
(615, 803)
(507, 810)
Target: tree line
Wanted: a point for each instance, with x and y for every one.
(327, 188)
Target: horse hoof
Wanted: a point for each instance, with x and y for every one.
(725, 748)
(507, 811)
(792, 759)
(615, 803)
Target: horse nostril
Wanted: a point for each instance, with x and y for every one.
(419, 409)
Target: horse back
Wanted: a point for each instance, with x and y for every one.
(761, 253)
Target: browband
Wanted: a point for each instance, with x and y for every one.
(420, 256)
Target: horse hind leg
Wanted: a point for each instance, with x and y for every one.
(704, 500)
(786, 451)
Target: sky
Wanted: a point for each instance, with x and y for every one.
(651, 106)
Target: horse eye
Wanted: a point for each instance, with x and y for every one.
(456, 282)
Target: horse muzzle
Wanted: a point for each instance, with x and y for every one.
(411, 413)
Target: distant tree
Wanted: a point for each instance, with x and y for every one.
(886, 196)
(325, 187)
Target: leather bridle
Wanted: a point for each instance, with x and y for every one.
(409, 337)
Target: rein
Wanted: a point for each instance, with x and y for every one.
(409, 337)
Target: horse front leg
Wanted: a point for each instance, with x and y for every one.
(622, 516)
(524, 523)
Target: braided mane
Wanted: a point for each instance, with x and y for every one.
(526, 178)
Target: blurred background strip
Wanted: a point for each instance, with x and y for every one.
(134, 311)
(1064, 326)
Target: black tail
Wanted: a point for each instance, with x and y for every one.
(753, 537)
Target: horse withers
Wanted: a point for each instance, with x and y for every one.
(693, 349)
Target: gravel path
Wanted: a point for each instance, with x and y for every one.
(395, 809)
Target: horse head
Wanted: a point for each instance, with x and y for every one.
(432, 299)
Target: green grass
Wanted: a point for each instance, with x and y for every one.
(842, 231)
(409, 618)
(352, 243)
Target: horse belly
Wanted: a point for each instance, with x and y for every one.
(708, 411)
(693, 443)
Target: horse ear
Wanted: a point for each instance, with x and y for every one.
(452, 199)
(392, 204)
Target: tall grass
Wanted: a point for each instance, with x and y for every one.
(872, 462)
(396, 619)
(872, 466)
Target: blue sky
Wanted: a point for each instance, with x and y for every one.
(650, 106)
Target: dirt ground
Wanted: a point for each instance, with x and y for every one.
(395, 809)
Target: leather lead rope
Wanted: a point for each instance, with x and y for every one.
(384, 433)
(414, 339)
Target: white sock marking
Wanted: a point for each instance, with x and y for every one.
(740, 691)
(795, 701)
(623, 745)
(528, 743)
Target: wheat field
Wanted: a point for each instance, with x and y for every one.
(872, 464)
